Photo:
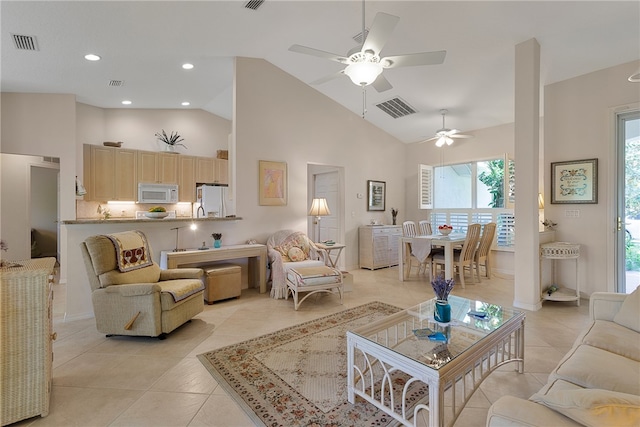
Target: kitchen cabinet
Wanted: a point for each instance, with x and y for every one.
(187, 178)
(26, 333)
(205, 170)
(221, 171)
(110, 173)
(159, 168)
(378, 246)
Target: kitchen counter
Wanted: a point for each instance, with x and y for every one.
(147, 220)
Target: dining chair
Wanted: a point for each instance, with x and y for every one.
(425, 228)
(409, 229)
(483, 253)
(464, 257)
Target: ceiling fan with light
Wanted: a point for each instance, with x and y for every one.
(445, 135)
(364, 64)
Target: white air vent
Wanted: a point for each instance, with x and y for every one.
(23, 42)
(116, 83)
(253, 4)
(396, 108)
(359, 38)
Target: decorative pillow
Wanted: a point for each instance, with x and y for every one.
(296, 254)
(629, 313)
(296, 239)
(594, 407)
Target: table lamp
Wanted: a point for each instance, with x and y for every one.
(193, 226)
(319, 208)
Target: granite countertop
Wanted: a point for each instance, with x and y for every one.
(145, 220)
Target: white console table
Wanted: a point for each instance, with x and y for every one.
(256, 254)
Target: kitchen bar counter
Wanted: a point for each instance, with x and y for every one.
(148, 220)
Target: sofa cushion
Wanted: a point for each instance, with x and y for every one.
(614, 338)
(594, 407)
(629, 313)
(592, 367)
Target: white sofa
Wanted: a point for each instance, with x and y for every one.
(597, 383)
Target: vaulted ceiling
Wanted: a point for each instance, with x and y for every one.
(143, 45)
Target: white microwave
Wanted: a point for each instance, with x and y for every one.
(157, 193)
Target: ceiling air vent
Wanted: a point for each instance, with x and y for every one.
(23, 42)
(359, 38)
(253, 4)
(116, 83)
(396, 108)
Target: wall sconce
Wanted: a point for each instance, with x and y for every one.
(319, 208)
(193, 226)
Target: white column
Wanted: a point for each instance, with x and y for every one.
(527, 134)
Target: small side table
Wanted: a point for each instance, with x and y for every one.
(331, 248)
(558, 251)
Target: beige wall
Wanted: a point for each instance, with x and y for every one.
(280, 118)
(579, 121)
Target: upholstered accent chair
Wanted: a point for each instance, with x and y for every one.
(291, 249)
(131, 295)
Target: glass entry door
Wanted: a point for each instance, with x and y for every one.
(628, 230)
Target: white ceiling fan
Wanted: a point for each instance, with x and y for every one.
(364, 64)
(445, 135)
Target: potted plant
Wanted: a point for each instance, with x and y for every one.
(171, 140)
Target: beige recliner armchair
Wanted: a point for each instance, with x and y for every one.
(131, 295)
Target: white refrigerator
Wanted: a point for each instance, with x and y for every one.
(210, 201)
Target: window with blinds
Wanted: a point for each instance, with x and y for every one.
(506, 230)
(426, 187)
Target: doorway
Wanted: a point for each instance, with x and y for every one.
(628, 201)
(327, 182)
(44, 213)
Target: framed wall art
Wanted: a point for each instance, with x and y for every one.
(376, 191)
(575, 181)
(273, 183)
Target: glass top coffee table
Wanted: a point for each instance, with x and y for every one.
(391, 362)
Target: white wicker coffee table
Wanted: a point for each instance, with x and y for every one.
(475, 347)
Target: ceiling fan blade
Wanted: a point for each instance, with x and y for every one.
(430, 139)
(459, 135)
(319, 53)
(328, 78)
(413, 59)
(380, 31)
(381, 84)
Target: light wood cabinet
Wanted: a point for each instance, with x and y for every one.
(114, 173)
(221, 171)
(110, 173)
(205, 170)
(158, 167)
(378, 246)
(26, 333)
(187, 179)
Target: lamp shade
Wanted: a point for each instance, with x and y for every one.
(363, 73)
(319, 207)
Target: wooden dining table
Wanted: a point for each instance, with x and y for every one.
(447, 242)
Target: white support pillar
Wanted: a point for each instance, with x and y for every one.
(527, 142)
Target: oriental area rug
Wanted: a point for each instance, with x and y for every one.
(298, 376)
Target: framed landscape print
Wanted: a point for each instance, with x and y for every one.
(575, 181)
(273, 183)
(377, 194)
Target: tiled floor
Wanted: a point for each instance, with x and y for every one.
(120, 381)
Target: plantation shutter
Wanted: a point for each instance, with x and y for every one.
(509, 182)
(505, 230)
(426, 186)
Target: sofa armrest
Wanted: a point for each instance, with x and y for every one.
(512, 411)
(135, 290)
(181, 273)
(605, 305)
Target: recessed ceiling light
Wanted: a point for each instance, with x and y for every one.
(126, 102)
(187, 66)
(92, 57)
(186, 103)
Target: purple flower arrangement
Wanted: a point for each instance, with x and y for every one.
(442, 287)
